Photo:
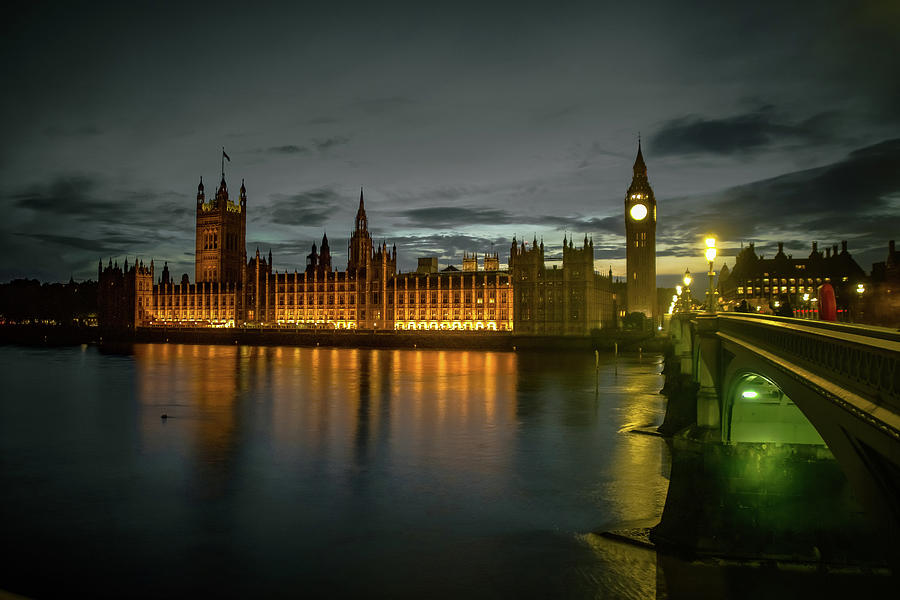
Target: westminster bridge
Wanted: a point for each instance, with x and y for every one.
(786, 439)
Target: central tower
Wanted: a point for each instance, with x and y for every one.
(221, 235)
(640, 236)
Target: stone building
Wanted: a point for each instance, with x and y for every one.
(571, 300)
(783, 278)
(231, 291)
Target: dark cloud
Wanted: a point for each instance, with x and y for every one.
(588, 158)
(91, 199)
(311, 208)
(856, 196)
(448, 248)
(68, 195)
(739, 134)
(455, 217)
(483, 110)
(289, 149)
(321, 145)
(615, 224)
(96, 246)
(326, 144)
(450, 217)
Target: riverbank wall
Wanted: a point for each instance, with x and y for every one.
(601, 340)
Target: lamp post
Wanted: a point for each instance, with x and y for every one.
(687, 290)
(711, 256)
(857, 310)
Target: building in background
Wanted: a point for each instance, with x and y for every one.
(880, 299)
(231, 291)
(640, 239)
(572, 300)
(763, 282)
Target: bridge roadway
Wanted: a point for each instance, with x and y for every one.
(798, 383)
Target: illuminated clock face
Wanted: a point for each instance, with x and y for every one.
(638, 212)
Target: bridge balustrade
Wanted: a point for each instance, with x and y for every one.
(865, 360)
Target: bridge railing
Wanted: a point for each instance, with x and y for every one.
(863, 359)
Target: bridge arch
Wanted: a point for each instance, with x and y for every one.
(757, 409)
(821, 390)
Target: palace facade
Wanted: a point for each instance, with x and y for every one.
(231, 291)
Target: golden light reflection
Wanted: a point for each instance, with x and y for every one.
(638, 497)
(326, 402)
(195, 387)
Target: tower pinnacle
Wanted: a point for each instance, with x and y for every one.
(640, 168)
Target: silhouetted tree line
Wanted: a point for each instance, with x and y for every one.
(24, 301)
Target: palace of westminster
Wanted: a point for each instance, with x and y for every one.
(528, 298)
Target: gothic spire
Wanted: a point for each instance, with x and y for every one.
(640, 168)
(362, 222)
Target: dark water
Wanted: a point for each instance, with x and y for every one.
(290, 471)
(300, 472)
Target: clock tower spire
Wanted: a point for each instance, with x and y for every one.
(640, 236)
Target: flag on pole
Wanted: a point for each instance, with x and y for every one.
(225, 155)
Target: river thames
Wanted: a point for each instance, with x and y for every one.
(285, 472)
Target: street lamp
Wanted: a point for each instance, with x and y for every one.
(687, 289)
(711, 256)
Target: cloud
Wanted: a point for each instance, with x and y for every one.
(289, 149)
(80, 243)
(858, 196)
(90, 199)
(311, 208)
(65, 194)
(739, 134)
(321, 145)
(448, 248)
(449, 217)
(326, 144)
(64, 225)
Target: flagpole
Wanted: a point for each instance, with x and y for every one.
(223, 163)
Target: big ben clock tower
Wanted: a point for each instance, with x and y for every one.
(640, 235)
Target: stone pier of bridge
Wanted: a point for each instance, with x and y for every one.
(785, 438)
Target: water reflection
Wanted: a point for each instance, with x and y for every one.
(327, 471)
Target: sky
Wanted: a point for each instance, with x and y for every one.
(465, 123)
